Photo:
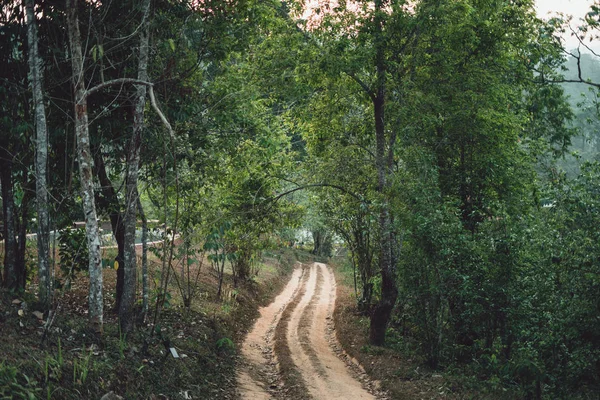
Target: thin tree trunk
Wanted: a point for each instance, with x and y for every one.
(109, 202)
(95, 297)
(8, 211)
(221, 274)
(133, 161)
(41, 160)
(183, 265)
(144, 259)
(21, 227)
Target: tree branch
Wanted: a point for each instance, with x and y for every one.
(279, 196)
(159, 112)
(581, 41)
(590, 83)
(363, 85)
(121, 81)
(113, 82)
(563, 80)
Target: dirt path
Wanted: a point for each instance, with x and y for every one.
(289, 354)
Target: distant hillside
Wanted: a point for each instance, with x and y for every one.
(590, 69)
(585, 102)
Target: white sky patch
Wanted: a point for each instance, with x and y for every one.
(577, 8)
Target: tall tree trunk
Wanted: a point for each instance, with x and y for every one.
(133, 161)
(41, 160)
(389, 292)
(8, 210)
(84, 156)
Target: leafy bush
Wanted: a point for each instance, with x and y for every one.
(516, 302)
(73, 252)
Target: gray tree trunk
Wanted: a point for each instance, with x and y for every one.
(133, 161)
(41, 159)
(96, 311)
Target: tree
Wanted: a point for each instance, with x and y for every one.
(96, 304)
(41, 144)
(15, 153)
(133, 161)
(360, 42)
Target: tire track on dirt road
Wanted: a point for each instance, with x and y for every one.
(305, 327)
(300, 344)
(294, 384)
(258, 376)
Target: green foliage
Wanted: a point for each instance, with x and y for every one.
(189, 260)
(518, 297)
(82, 367)
(219, 251)
(53, 366)
(15, 385)
(122, 343)
(225, 344)
(565, 284)
(157, 295)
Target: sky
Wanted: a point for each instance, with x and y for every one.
(576, 8)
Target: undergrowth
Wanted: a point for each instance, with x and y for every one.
(75, 363)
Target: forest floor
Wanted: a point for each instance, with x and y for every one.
(400, 372)
(399, 376)
(69, 361)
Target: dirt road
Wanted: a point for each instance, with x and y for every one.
(290, 352)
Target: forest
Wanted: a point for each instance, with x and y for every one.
(441, 155)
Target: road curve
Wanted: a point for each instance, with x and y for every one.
(288, 353)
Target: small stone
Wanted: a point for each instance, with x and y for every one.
(38, 314)
(111, 396)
